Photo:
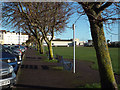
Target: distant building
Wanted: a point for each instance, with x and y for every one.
(114, 44)
(89, 43)
(7, 37)
(81, 43)
(67, 43)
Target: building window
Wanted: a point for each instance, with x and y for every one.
(1, 37)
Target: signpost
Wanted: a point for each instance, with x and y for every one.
(74, 48)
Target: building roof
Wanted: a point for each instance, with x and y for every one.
(61, 40)
(13, 32)
(23, 33)
(2, 30)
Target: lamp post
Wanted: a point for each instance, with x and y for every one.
(74, 48)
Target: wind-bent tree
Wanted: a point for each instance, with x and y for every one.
(41, 19)
(13, 15)
(50, 18)
(31, 40)
(98, 14)
(56, 19)
(37, 36)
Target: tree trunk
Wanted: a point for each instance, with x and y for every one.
(35, 46)
(50, 51)
(102, 53)
(40, 47)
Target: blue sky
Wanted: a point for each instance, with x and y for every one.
(82, 30)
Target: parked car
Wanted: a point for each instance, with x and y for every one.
(7, 75)
(9, 58)
(22, 48)
(15, 49)
(17, 54)
(6, 45)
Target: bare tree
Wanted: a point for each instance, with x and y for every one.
(99, 14)
(14, 15)
(55, 20)
(40, 18)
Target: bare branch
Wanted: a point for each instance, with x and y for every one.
(103, 7)
(110, 19)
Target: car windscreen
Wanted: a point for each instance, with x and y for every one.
(2, 50)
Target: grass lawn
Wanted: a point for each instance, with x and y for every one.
(87, 54)
(95, 85)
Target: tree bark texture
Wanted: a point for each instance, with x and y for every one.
(103, 57)
(50, 51)
(104, 61)
(40, 47)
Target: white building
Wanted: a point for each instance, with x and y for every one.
(67, 43)
(62, 43)
(12, 37)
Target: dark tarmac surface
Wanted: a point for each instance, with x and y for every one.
(35, 74)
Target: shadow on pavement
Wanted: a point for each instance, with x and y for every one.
(45, 67)
(29, 67)
(31, 87)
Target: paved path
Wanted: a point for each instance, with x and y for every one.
(37, 74)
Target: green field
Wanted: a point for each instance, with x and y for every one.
(87, 54)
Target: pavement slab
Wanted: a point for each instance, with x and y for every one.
(35, 73)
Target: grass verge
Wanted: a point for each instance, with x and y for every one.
(88, 54)
(57, 68)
